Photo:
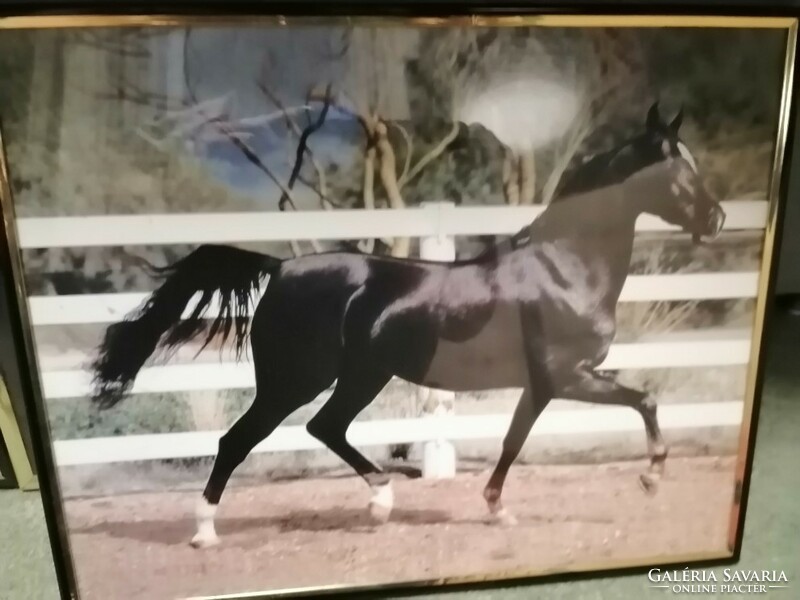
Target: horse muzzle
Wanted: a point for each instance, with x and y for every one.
(710, 230)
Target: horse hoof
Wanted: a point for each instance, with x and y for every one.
(380, 506)
(412, 473)
(504, 518)
(648, 483)
(379, 514)
(204, 541)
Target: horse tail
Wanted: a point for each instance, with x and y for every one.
(233, 275)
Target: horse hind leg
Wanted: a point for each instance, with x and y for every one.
(269, 408)
(356, 388)
(252, 427)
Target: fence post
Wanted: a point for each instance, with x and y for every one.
(439, 458)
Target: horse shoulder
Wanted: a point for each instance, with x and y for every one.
(467, 302)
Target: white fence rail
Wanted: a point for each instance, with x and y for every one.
(440, 221)
(396, 431)
(435, 219)
(232, 375)
(108, 308)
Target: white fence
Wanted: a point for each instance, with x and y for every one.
(439, 223)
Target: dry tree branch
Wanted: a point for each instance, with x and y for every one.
(222, 128)
(128, 46)
(321, 189)
(368, 191)
(570, 147)
(302, 145)
(303, 135)
(388, 166)
(401, 247)
(303, 149)
(409, 149)
(130, 92)
(432, 155)
(510, 177)
(249, 154)
(253, 158)
(527, 176)
(291, 124)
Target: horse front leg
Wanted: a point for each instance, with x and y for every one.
(522, 421)
(589, 386)
(533, 401)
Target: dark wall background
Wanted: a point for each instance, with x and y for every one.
(788, 283)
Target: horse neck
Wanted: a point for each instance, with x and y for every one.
(598, 214)
(597, 228)
(608, 168)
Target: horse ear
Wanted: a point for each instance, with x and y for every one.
(654, 122)
(676, 122)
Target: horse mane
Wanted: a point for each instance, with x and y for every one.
(589, 174)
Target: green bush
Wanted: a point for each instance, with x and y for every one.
(78, 418)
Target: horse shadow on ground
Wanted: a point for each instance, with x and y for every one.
(179, 531)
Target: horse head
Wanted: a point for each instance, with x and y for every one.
(658, 141)
(674, 191)
(661, 140)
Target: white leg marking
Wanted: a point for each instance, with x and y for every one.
(381, 503)
(503, 517)
(497, 512)
(206, 534)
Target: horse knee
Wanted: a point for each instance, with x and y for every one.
(646, 406)
(648, 403)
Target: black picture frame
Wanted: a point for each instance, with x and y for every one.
(22, 371)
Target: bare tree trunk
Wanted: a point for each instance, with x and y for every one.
(368, 191)
(565, 155)
(401, 247)
(527, 177)
(511, 177)
(369, 178)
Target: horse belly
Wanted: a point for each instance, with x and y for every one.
(492, 359)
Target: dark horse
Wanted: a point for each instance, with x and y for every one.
(538, 314)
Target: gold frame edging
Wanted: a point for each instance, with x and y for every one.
(789, 24)
(9, 428)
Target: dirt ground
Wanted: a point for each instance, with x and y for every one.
(316, 531)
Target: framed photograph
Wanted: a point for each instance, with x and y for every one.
(320, 303)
